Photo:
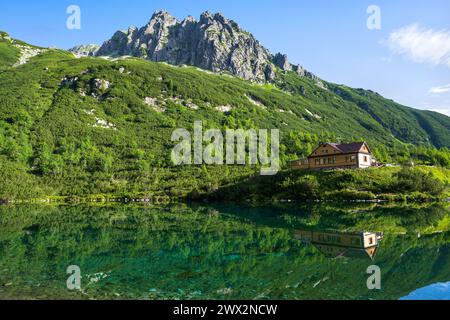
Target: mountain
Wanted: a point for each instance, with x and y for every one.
(14, 52)
(89, 50)
(213, 43)
(83, 126)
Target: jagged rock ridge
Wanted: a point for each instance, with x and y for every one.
(212, 43)
(89, 50)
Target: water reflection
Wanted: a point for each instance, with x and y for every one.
(222, 252)
(340, 244)
(438, 291)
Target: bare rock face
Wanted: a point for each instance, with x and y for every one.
(101, 84)
(282, 61)
(89, 50)
(212, 43)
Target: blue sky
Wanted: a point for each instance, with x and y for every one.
(407, 60)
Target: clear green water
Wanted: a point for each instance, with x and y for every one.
(217, 252)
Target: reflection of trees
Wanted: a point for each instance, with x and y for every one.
(350, 217)
(183, 250)
(385, 218)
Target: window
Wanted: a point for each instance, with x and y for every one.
(353, 158)
(365, 159)
(333, 239)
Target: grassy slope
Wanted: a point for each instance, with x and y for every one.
(406, 123)
(371, 184)
(8, 53)
(47, 131)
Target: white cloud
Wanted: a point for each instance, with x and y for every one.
(421, 45)
(440, 89)
(443, 110)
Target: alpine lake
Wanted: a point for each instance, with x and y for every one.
(226, 252)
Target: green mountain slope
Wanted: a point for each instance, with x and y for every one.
(82, 126)
(8, 53)
(407, 124)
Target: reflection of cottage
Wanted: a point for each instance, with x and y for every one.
(355, 155)
(334, 244)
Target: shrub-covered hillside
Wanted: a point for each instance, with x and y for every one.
(87, 126)
(391, 184)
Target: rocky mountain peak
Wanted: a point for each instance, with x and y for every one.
(282, 61)
(206, 18)
(213, 43)
(162, 15)
(189, 19)
(160, 20)
(132, 29)
(220, 18)
(89, 50)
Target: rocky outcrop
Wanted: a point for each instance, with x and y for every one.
(101, 84)
(26, 53)
(282, 61)
(89, 50)
(213, 43)
(304, 73)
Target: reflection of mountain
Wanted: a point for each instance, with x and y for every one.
(337, 244)
(392, 218)
(207, 253)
